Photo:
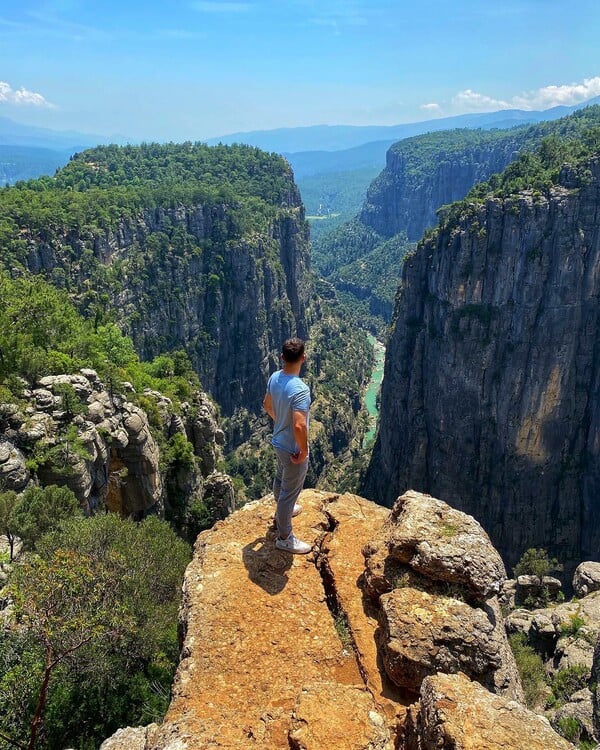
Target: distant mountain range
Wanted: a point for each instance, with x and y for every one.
(320, 150)
(339, 137)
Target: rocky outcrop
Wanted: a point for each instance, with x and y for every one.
(490, 394)
(564, 633)
(100, 445)
(423, 634)
(456, 714)
(137, 738)
(263, 664)
(437, 542)
(440, 613)
(282, 651)
(586, 578)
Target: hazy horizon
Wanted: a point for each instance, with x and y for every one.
(194, 69)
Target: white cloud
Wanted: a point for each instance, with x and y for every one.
(470, 101)
(218, 7)
(552, 96)
(21, 96)
(431, 107)
(542, 98)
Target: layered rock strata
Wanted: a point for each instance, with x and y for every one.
(490, 394)
(405, 198)
(229, 304)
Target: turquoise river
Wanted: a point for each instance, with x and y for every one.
(373, 388)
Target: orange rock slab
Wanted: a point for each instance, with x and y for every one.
(258, 629)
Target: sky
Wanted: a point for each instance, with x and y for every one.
(195, 69)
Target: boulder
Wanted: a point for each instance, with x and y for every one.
(330, 715)
(423, 634)
(573, 650)
(579, 709)
(586, 578)
(14, 474)
(219, 495)
(454, 713)
(440, 543)
(130, 738)
(535, 589)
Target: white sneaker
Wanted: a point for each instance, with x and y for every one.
(293, 545)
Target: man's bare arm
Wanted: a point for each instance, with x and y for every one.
(268, 406)
(300, 436)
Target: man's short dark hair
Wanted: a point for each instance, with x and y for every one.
(292, 350)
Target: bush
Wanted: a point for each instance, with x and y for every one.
(569, 728)
(535, 562)
(40, 510)
(568, 681)
(531, 669)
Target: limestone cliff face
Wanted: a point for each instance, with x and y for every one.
(491, 390)
(186, 277)
(401, 201)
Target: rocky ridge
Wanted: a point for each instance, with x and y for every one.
(492, 369)
(404, 199)
(107, 452)
(282, 651)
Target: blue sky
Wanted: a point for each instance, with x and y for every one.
(193, 69)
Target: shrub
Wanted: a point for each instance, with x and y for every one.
(535, 562)
(568, 681)
(531, 669)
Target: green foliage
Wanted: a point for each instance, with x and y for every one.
(70, 402)
(343, 246)
(178, 453)
(568, 681)
(41, 509)
(101, 594)
(572, 628)
(8, 501)
(531, 669)
(535, 562)
(41, 333)
(569, 728)
(343, 630)
(104, 186)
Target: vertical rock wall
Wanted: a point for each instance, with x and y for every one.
(491, 390)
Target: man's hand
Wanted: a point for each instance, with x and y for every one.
(299, 458)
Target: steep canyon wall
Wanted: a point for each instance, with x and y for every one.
(490, 397)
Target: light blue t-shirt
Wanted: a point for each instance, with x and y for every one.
(289, 394)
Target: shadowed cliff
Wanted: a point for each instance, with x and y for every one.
(490, 394)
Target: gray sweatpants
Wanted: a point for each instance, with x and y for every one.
(287, 485)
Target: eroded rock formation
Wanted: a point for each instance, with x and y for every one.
(457, 714)
(103, 449)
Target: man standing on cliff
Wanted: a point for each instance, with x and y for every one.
(287, 403)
